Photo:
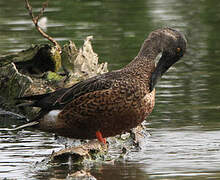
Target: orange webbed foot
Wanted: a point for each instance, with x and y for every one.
(100, 138)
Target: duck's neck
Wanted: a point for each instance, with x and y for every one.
(150, 48)
(144, 62)
(140, 66)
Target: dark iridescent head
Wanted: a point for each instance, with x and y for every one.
(168, 42)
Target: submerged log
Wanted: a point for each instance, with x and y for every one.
(89, 151)
(94, 150)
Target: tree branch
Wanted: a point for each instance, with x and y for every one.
(35, 20)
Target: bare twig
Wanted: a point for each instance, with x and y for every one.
(35, 20)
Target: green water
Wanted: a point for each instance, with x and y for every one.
(184, 126)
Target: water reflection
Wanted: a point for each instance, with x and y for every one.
(185, 122)
(188, 154)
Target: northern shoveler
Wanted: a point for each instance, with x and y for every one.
(114, 102)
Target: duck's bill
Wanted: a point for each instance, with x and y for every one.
(162, 66)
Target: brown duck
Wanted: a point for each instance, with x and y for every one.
(114, 102)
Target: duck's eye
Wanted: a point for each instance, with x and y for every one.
(178, 50)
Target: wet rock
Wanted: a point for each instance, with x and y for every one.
(92, 150)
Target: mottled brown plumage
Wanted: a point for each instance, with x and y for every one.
(113, 102)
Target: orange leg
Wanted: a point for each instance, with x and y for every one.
(99, 137)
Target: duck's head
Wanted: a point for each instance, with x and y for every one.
(167, 43)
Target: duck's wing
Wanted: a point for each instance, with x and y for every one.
(58, 99)
(96, 83)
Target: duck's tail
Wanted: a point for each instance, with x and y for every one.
(34, 100)
(49, 110)
(47, 123)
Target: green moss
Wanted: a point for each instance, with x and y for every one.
(52, 76)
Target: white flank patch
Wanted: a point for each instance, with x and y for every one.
(52, 115)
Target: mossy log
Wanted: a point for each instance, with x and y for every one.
(35, 60)
(39, 69)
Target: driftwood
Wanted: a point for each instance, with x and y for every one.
(81, 63)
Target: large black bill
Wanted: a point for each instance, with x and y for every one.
(162, 66)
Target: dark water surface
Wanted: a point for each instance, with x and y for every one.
(184, 127)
